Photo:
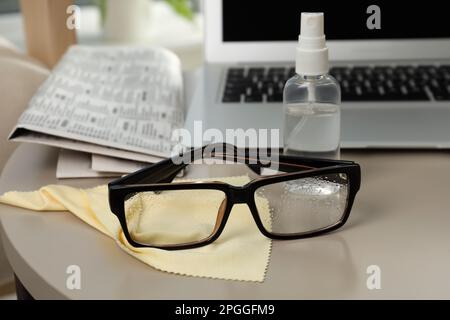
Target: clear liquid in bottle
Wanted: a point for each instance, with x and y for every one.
(312, 130)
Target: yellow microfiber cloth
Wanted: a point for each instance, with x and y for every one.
(240, 253)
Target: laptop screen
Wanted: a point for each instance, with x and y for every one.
(265, 20)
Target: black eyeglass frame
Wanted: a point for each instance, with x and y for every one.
(161, 174)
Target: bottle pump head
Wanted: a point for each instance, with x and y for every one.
(312, 51)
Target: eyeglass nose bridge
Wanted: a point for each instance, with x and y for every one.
(239, 194)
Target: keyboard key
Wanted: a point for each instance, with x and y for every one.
(231, 98)
(384, 69)
(409, 70)
(232, 92)
(235, 72)
(444, 73)
(338, 77)
(363, 70)
(400, 76)
(350, 95)
(277, 97)
(427, 69)
(440, 93)
(369, 94)
(278, 71)
(236, 85)
(254, 78)
(254, 98)
(441, 96)
(418, 95)
(256, 71)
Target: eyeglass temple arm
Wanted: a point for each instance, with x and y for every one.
(284, 163)
(161, 172)
(281, 162)
(165, 171)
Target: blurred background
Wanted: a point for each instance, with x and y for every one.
(174, 24)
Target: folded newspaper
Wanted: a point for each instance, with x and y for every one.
(123, 102)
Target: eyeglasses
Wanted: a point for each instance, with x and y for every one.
(305, 198)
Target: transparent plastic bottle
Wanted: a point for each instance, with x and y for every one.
(312, 98)
(312, 116)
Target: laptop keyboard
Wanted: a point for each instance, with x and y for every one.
(382, 83)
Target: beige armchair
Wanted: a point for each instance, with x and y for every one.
(19, 80)
(47, 39)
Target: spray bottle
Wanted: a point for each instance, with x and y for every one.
(312, 98)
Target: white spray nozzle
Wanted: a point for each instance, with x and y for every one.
(312, 52)
(311, 25)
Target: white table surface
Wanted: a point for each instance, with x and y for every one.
(400, 222)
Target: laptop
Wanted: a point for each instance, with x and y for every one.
(395, 80)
